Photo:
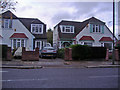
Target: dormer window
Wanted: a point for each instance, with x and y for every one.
(94, 28)
(67, 29)
(37, 28)
(7, 23)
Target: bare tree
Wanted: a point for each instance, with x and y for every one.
(7, 5)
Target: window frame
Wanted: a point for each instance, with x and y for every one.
(16, 44)
(36, 27)
(96, 28)
(67, 27)
(9, 23)
(88, 42)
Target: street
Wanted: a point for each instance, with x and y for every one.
(60, 78)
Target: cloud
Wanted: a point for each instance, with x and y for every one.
(52, 13)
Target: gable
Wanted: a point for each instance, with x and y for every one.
(27, 23)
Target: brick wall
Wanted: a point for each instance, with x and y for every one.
(30, 55)
(68, 54)
(108, 54)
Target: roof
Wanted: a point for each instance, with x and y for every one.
(18, 35)
(79, 26)
(106, 39)
(86, 38)
(9, 14)
(27, 23)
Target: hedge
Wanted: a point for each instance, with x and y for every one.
(80, 52)
(60, 53)
(3, 52)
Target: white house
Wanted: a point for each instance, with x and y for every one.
(22, 32)
(92, 32)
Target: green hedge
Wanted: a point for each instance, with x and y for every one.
(80, 52)
(60, 53)
(3, 51)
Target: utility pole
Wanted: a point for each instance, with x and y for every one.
(113, 54)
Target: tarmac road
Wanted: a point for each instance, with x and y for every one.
(60, 78)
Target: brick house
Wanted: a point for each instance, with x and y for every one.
(92, 32)
(22, 32)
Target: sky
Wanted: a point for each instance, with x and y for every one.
(51, 13)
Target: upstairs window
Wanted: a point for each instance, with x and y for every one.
(96, 28)
(37, 28)
(7, 23)
(67, 29)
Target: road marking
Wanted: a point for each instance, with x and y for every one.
(114, 76)
(23, 80)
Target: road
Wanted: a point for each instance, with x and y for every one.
(60, 78)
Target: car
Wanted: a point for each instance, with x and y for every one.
(48, 52)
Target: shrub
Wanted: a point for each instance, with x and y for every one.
(98, 52)
(3, 52)
(60, 53)
(80, 52)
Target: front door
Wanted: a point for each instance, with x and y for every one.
(38, 44)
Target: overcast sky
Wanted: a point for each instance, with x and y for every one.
(52, 13)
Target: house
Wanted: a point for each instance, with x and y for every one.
(92, 32)
(22, 32)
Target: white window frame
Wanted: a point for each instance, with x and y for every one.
(88, 42)
(16, 46)
(67, 27)
(38, 26)
(96, 26)
(8, 23)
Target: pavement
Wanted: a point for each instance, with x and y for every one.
(58, 63)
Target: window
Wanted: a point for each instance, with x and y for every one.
(18, 43)
(88, 43)
(7, 23)
(37, 28)
(67, 29)
(22, 43)
(96, 28)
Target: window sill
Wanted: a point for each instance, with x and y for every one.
(37, 33)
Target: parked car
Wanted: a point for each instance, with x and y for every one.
(48, 52)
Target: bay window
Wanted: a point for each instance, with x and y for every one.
(18, 43)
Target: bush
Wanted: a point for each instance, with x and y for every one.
(98, 52)
(3, 51)
(80, 52)
(60, 53)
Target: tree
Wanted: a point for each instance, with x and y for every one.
(7, 5)
(50, 36)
